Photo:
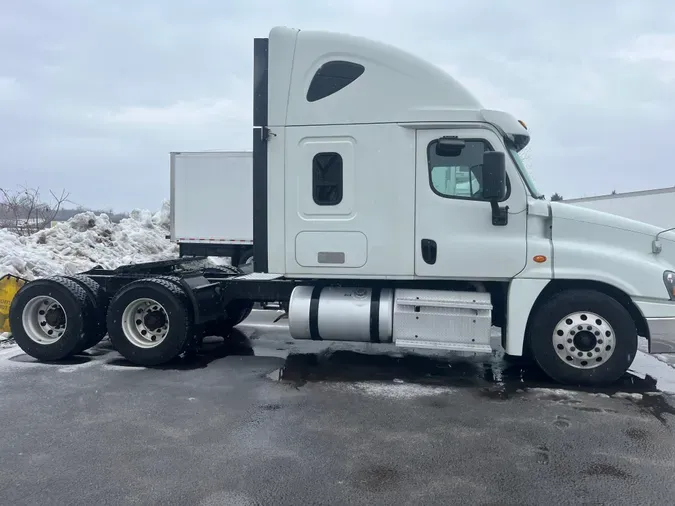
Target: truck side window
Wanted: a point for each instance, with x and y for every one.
(332, 77)
(458, 174)
(327, 179)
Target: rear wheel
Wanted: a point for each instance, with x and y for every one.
(583, 337)
(51, 318)
(99, 300)
(237, 312)
(149, 322)
(246, 261)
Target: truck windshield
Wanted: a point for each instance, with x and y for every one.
(524, 172)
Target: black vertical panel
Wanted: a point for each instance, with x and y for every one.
(260, 261)
(260, 118)
(260, 81)
(314, 314)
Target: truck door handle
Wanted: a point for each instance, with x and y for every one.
(429, 251)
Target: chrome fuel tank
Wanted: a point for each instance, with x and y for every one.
(341, 313)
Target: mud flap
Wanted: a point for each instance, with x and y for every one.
(9, 285)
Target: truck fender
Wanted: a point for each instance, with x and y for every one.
(521, 297)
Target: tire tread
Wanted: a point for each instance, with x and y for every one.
(99, 299)
(615, 313)
(168, 283)
(47, 352)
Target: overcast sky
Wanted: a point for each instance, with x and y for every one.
(95, 93)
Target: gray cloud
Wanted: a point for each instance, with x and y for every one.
(93, 95)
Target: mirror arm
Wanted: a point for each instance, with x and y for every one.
(500, 215)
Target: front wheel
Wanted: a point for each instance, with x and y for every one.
(583, 337)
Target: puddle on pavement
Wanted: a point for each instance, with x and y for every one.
(657, 406)
(213, 348)
(495, 377)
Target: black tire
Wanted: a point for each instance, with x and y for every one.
(220, 327)
(222, 271)
(237, 311)
(547, 317)
(99, 300)
(244, 307)
(246, 261)
(228, 269)
(172, 279)
(77, 307)
(180, 337)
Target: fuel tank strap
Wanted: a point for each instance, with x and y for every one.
(375, 315)
(314, 314)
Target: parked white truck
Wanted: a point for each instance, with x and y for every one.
(212, 204)
(357, 225)
(649, 206)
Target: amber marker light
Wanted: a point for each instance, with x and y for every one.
(540, 259)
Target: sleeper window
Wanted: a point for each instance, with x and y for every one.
(327, 179)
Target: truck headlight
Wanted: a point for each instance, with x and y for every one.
(669, 281)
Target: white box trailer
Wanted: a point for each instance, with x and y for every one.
(649, 206)
(212, 204)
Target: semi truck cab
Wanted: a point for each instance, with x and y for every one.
(389, 206)
(354, 142)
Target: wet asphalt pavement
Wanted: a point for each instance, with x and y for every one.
(347, 424)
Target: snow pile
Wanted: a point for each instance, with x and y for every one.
(87, 240)
(658, 367)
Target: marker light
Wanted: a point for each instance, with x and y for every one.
(522, 123)
(669, 281)
(540, 259)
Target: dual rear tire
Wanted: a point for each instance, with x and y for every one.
(149, 321)
(236, 310)
(57, 317)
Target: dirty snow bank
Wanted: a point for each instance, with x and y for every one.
(658, 367)
(87, 240)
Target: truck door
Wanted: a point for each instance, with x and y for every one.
(454, 232)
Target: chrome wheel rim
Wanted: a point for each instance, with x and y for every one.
(145, 323)
(44, 320)
(584, 340)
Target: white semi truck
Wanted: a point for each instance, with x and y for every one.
(649, 206)
(356, 223)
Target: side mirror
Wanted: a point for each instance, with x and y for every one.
(494, 176)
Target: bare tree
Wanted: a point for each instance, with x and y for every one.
(25, 212)
(556, 197)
